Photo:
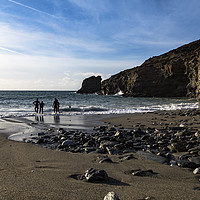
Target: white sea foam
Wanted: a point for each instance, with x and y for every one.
(120, 93)
(21, 103)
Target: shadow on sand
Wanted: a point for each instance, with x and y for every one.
(110, 181)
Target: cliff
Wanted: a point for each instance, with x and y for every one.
(90, 85)
(173, 74)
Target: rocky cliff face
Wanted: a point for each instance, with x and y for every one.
(173, 74)
(90, 85)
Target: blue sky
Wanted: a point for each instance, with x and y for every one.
(55, 44)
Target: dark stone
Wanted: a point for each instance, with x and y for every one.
(143, 173)
(187, 164)
(153, 157)
(195, 160)
(91, 85)
(41, 134)
(177, 147)
(127, 157)
(89, 143)
(40, 141)
(139, 132)
(139, 172)
(93, 175)
(101, 128)
(149, 140)
(89, 149)
(106, 159)
(111, 129)
(113, 151)
(61, 130)
(197, 188)
(68, 143)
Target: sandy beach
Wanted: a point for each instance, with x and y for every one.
(30, 171)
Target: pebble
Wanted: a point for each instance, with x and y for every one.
(159, 145)
(127, 157)
(106, 159)
(111, 196)
(143, 172)
(68, 143)
(196, 171)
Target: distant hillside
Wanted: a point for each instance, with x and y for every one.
(173, 74)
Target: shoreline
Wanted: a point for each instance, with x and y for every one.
(165, 119)
(35, 172)
(159, 119)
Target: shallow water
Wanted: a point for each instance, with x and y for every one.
(24, 128)
(20, 103)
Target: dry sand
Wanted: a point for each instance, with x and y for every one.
(31, 172)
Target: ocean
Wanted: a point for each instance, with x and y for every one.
(20, 103)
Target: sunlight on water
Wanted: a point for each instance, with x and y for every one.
(20, 103)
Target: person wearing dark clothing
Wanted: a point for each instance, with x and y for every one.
(56, 106)
(41, 107)
(36, 103)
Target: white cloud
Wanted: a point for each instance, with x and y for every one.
(102, 38)
(45, 72)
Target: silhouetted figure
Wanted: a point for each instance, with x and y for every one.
(56, 106)
(41, 107)
(36, 103)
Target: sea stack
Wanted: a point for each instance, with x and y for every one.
(91, 85)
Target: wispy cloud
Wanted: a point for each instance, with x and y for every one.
(41, 41)
(94, 9)
(10, 51)
(23, 39)
(34, 9)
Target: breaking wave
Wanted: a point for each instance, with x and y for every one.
(15, 103)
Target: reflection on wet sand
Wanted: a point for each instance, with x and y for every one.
(22, 129)
(39, 118)
(56, 119)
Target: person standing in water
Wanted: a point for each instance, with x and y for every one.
(36, 103)
(56, 106)
(41, 107)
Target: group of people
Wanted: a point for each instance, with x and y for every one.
(40, 105)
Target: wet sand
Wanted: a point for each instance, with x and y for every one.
(158, 120)
(29, 171)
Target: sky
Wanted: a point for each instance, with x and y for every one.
(55, 44)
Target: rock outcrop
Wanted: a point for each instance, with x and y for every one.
(173, 74)
(90, 85)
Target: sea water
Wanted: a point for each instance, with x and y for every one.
(20, 103)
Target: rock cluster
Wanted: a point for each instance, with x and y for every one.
(173, 74)
(173, 145)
